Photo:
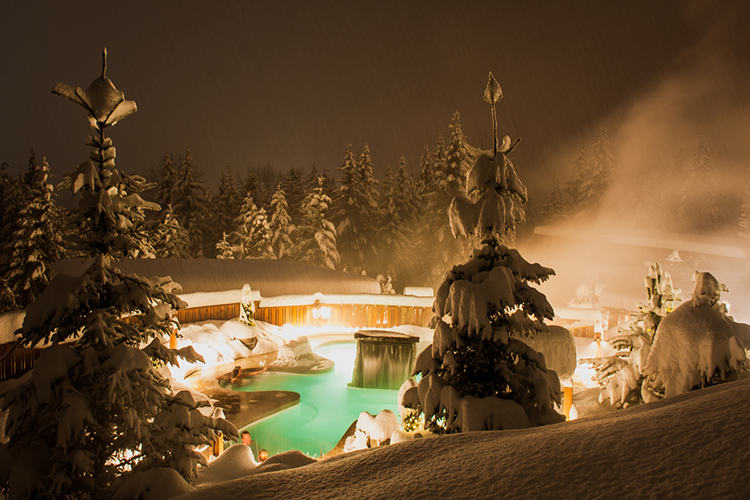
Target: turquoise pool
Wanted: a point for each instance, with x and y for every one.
(327, 405)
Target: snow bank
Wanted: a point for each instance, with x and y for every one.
(559, 350)
(199, 299)
(9, 323)
(154, 484)
(691, 446)
(692, 343)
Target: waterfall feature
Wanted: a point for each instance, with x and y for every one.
(384, 359)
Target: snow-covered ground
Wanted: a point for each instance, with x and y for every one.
(688, 446)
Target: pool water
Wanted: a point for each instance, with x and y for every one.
(327, 407)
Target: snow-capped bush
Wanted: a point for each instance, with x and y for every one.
(621, 375)
(696, 345)
(475, 374)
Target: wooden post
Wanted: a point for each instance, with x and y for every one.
(173, 339)
(567, 401)
(219, 444)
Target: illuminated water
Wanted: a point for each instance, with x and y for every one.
(327, 407)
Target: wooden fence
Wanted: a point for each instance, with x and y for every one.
(18, 362)
(363, 316)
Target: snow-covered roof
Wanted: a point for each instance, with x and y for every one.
(270, 277)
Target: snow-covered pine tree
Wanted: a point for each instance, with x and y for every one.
(315, 236)
(621, 375)
(553, 210)
(251, 235)
(224, 249)
(171, 238)
(37, 241)
(226, 205)
(280, 225)
(190, 207)
(574, 183)
(476, 375)
(458, 160)
(14, 197)
(595, 183)
(294, 190)
(397, 234)
(357, 218)
(698, 210)
(166, 190)
(95, 411)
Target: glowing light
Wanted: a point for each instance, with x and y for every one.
(321, 312)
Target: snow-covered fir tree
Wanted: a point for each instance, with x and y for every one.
(224, 249)
(190, 206)
(166, 186)
(37, 241)
(15, 196)
(457, 161)
(251, 235)
(621, 375)
(226, 204)
(357, 216)
(171, 240)
(476, 375)
(553, 210)
(315, 236)
(294, 191)
(95, 412)
(595, 183)
(280, 225)
(698, 211)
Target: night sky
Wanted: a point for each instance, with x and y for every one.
(292, 83)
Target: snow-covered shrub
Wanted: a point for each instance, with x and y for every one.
(696, 345)
(475, 374)
(621, 375)
(95, 408)
(372, 431)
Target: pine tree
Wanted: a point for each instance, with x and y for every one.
(281, 224)
(553, 210)
(621, 375)
(595, 183)
(458, 160)
(15, 196)
(315, 236)
(573, 186)
(357, 218)
(698, 210)
(37, 242)
(224, 249)
(397, 225)
(227, 203)
(252, 235)
(166, 190)
(294, 189)
(477, 375)
(190, 206)
(95, 410)
(171, 238)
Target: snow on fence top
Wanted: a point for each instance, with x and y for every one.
(346, 299)
(270, 277)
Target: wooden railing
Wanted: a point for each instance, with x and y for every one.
(348, 315)
(18, 362)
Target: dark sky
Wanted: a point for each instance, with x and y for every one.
(293, 82)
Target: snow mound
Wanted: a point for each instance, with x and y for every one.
(287, 460)
(691, 345)
(236, 461)
(697, 458)
(9, 323)
(153, 484)
(558, 347)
